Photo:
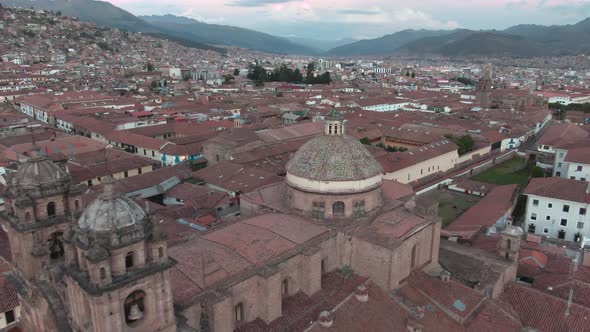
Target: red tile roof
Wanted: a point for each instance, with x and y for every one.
(559, 188)
(226, 251)
(546, 312)
(486, 212)
(231, 176)
(579, 155)
(8, 294)
(533, 257)
(562, 135)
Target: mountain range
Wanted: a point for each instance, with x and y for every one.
(188, 28)
(518, 41)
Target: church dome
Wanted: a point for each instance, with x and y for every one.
(38, 170)
(334, 163)
(334, 158)
(111, 212)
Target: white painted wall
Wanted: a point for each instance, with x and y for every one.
(547, 214)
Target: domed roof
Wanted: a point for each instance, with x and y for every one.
(38, 170)
(111, 212)
(334, 158)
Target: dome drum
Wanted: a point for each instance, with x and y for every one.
(335, 206)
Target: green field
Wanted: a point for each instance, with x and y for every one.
(508, 172)
(451, 206)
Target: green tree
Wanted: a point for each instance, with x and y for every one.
(237, 72)
(466, 81)
(413, 75)
(537, 172)
(257, 74)
(227, 79)
(365, 141)
(149, 67)
(465, 143)
(58, 13)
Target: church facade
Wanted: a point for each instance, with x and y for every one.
(103, 268)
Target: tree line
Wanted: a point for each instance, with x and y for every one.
(283, 73)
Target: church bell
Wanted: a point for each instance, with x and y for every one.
(135, 313)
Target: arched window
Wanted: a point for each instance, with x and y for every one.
(56, 246)
(51, 209)
(77, 205)
(129, 260)
(338, 209)
(134, 307)
(27, 216)
(413, 258)
(285, 288)
(103, 273)
(239, 312)
(160, 252)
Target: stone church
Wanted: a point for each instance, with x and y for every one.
(107, 267)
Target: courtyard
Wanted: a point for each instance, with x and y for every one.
(512, 171)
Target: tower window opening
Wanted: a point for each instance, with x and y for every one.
(129, 260)
(134, 307)
(285, 288)
(413, 258)
(239, 312)
(56, 246)
(51, 209)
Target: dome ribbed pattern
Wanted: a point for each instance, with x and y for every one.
(108, 214)
(334, 158)
(38, 170)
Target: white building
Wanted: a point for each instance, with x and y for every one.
(382, 106)
(558, 208)
(572, 163)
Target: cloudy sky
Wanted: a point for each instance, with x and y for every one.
(335, 19)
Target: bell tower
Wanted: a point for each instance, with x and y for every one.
(509, 243)
(117, 269)
(40, 204)
(334, 123)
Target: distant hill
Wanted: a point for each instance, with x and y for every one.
(320, 45)
(100, 12)
(563, 38)
(471, 43)
(386, 44)
(517, 41)
(184, 30)
(433, 44)
(224, 35)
